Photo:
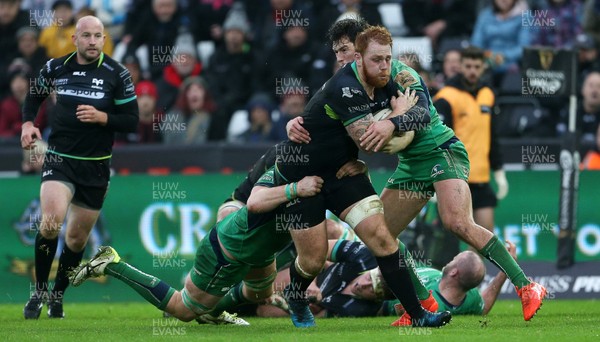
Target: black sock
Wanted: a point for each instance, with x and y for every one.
(395, 273)
(68, 260)
(296, 289)
(45, 250)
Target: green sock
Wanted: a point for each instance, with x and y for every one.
(499, 256)
(233, 298)
(421, 290)
(154, 290)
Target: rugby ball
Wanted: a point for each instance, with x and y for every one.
(382, 114)
(401, 140)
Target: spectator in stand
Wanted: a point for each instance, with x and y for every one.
(260, 110)
(344, 8)
(288, 63)
(439, 20)
(587, 54)
(10, 107)
(231, 73)
(499, 31)
(132, 63)
(591, 19)
(412, 60)
(39, 10)
(209, 18)
(28, 48)
(292, 105)
(183, 63)
(147, 97)
(270, 19)
(193, 110)
(111, 13)
(450, 67)
(557, 24)
(158, 30)
(56, 38)
(588, 113)
(11, 20)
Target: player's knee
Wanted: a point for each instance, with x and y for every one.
(184, 315)
(76, 240)
(50, 226)
(311, 265)
(49, 233)
(381, 242)
(456, 224)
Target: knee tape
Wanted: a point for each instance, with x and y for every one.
(258, 285)
(233, 204)
(193, 305)
(366, 207)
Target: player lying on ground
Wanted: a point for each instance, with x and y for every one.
(241, 248)
(350, 286)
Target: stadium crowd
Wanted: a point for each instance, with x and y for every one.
(237, 71)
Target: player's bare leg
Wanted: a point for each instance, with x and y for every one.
(455, 208)
(255, 288)
(55, 197)
(485, 218)
(311, 245)
(400, 207)
(366, 217)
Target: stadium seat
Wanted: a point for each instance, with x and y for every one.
(392, 18)
(512, 84)
(419, 45)
(141, 53)
(238, 124)
(518, 116)
(205, 49)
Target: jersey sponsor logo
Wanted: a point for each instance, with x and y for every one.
(109, 67)
(362, 108)
(61, 81)
(88, 94)
(435, 171)
(78, 73)
(47, 173)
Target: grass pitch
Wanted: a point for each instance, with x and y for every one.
(559, 320)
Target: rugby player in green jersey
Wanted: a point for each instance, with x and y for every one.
(238, 252)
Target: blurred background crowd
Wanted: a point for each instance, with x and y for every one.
(237, 71)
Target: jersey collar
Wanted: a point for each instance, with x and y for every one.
(100, 59)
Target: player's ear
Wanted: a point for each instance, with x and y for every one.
(358, 58)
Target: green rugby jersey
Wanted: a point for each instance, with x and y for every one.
(252, 238)
(437, 133)
(430, 277)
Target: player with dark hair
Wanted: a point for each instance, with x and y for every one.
(95, 99)
(336, 117)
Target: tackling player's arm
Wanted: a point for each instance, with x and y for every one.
(265, 197)
(491, 292)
